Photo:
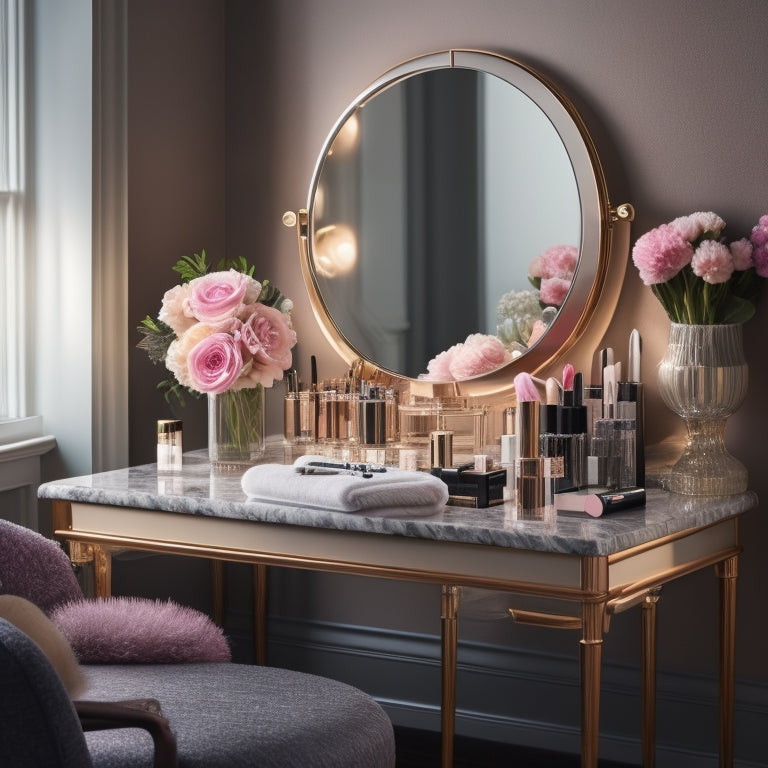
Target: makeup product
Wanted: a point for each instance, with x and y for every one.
(360, 466)
(469, 488)
(308, 470)
(598, 504)
(169, 445)
(291, 408)
(614, 446)
(372, 417)
(630, 404)
(530, 488)
(441, 448)
(548, 414)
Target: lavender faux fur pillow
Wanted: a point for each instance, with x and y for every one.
(125, 630)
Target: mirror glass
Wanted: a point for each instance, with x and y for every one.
(446, 203)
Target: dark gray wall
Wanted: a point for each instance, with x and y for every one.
(229, 104)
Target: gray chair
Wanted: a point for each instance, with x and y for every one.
(40, 725)
(222, 715)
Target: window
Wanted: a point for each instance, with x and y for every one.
(12, 398)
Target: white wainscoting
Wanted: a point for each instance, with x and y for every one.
(509, 695)
(20, 452)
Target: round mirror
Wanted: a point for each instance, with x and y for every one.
(457, 201)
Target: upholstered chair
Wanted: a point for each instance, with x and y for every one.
(221, 715)
(103, 630)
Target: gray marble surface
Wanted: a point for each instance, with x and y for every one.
(198, 490)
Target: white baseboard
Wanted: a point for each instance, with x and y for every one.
(522, 697)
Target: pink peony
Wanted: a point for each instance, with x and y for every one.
(741, 251)
(661, 253)
(439, 367)
(712, 262)
(554, 290)
(557, 261)
(759, 240)
(479, 354)
(215, 363)
(219, 295)
(695, 225)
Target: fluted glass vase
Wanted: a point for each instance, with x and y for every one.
(703, 379)
(236, 428)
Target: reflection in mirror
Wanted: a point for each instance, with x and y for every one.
(447, 206)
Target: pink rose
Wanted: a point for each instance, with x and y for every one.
(268, 338)
(218, 295)
(479, 354)
(172, 312)
(554, 290)
(215, 363)
(712, 262)
(661, 253)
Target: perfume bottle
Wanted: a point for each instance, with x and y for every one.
(169, 447)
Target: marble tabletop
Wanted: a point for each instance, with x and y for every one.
(198, 490)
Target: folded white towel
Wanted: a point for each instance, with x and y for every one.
(396, 492)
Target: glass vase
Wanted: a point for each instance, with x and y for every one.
(703, 379)
(236, 428)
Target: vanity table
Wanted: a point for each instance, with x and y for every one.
(597, 567)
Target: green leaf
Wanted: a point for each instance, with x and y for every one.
(736, 310)
(191, 267)
(175, 392)
(156, 337)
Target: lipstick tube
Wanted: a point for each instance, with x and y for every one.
(530, 485)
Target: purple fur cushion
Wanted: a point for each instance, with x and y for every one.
(35, 568)
(125, 630)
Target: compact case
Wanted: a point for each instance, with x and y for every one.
(469, 488)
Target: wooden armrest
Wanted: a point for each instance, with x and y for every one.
(137, 713)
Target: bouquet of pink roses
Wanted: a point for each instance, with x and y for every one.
(220, 331)
(699, 278)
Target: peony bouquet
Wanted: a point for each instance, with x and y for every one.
(479, 354)
(551, 273)
(220, 331)
(697, 276)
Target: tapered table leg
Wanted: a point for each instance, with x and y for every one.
(648, 696)
(102, 571)
(594, 579)
(727, 571)
(450, 611)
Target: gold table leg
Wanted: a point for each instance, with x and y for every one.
(727, 572)
(591, 664)
(450, 612)
(648, 695)
(102, 571)
(595, 580)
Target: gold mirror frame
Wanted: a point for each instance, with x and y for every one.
(582, 321)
